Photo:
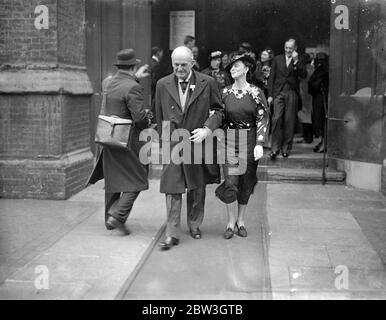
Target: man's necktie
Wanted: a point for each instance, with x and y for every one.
(184, 85)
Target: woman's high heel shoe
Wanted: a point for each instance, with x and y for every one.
(228, 234)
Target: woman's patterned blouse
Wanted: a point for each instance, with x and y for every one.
(262, 118)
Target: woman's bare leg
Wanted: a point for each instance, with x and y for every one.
(241, 215)
(232, 214)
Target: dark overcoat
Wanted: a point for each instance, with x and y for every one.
(121, 168)
(280, 75)
(204, 97)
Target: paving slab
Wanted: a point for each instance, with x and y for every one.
(89, 262)
(316, 229)
(210, 268)
(29, 227)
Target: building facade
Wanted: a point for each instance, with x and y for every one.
(45, 97)
(54, 55)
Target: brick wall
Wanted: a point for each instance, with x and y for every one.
(31, 126)
(43, 126)
(44, 101)
(57, 180)
(71, 35)
(20, 41)
(76, 123)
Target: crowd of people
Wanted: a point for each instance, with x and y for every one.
(248, 100)
(308, 105)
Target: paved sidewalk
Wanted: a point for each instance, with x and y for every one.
(313, 230)
(319, 232)
(84, 260)
(211, 268)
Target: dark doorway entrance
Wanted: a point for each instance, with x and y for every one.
(224, 24)
(111, 26)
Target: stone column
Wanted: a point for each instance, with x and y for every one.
(44, 99)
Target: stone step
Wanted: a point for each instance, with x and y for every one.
(296, 161)
(296, 175)
(302, 156)
(282, 175)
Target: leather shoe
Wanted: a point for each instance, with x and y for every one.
(195, 233)
(285, 155)
(228, 234)
(169, 243)
(113, 223)
(108, 227)
(242, 232)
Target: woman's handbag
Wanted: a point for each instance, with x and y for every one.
(113, 131)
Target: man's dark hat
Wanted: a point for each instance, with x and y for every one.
(242, 57)
(246, 46)
(321, 56)
(127, 57)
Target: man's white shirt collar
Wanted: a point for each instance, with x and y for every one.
(155, 58)
(187, 79)
(288, 60)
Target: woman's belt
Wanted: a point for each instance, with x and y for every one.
(240, 124)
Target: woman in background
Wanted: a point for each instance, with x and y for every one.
(305, 114)
(318, 88)
(224, 60)
(215, 71)
(263, 69)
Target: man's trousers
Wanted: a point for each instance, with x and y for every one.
(119, 205)
(195, 211)
(285, 108)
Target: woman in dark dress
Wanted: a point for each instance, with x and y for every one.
(263, 69)
(214, 70)
(318, 88)
(246, 120)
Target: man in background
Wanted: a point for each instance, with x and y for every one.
(196, 53)
(283, 91)
(155, 72)
(189, 42)
(246, 48)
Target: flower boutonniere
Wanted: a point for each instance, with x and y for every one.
(192, 87)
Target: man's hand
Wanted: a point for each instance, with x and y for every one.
(258, 152)
(295, 56)
(143, 72)
(270, 100)
(199, 135)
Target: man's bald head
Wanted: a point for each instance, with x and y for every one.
(182, 53)
(182, 60)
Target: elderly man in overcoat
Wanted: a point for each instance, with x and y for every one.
(190, 101)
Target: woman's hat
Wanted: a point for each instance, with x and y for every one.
(127, 57)
(215, 55)
(245, 58)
